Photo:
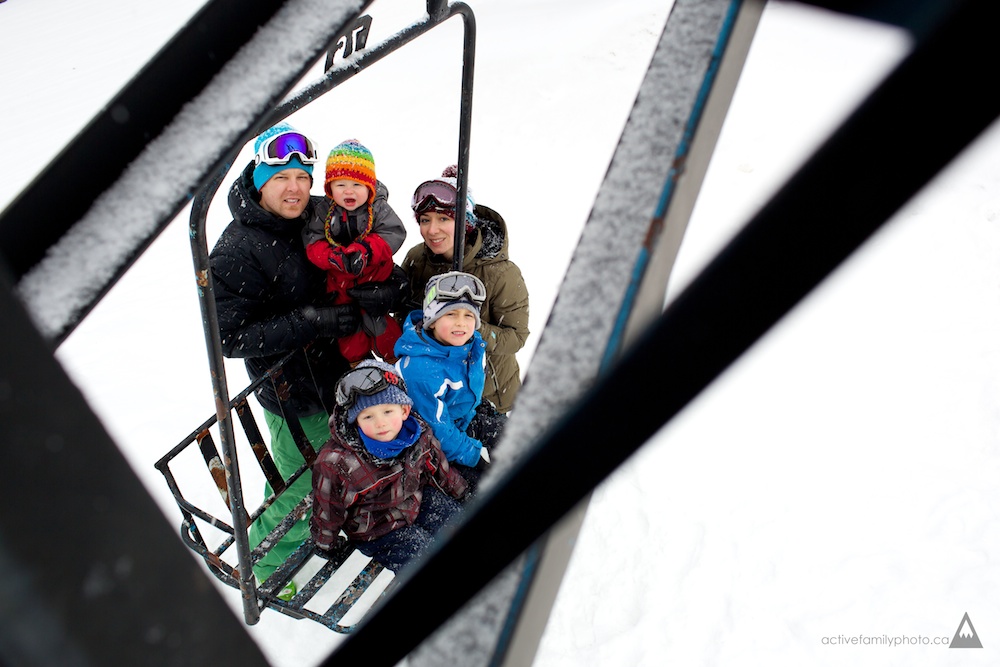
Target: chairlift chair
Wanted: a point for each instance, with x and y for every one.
(227, 553)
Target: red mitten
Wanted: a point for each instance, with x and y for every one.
(377, 258)
(326, 256)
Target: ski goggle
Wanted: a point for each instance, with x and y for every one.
(281, 148)
(433, 194)
(454, 285)
(365, 381)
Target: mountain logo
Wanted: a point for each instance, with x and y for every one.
(965, 636)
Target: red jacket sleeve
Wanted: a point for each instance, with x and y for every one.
(319, 253)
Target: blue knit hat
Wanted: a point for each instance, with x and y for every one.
(393, 394)
(262, 173)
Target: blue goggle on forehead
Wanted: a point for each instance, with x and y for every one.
(281, 148)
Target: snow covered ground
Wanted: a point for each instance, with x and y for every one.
(836, 484)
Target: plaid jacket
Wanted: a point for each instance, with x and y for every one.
(367, 497)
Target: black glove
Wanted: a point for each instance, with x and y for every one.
(487, 424)
(333, 321)
(377, 299)
(354, 263)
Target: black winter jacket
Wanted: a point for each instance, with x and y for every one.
(262, 280)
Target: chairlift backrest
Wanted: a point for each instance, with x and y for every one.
(222, 461)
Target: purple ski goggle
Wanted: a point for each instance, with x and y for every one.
(281, 148)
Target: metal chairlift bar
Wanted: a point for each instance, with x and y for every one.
(145, 107)
(464, 139)
(271, 474)
(220, 387)
(200, 253)
(439, 12)
(863, 174)
(213, 462)
(212, 420)
(299, 435)
(916, 16)
(183, 71)
(678, 183)
(91, 573)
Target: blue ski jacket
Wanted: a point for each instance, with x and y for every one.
(445, 383)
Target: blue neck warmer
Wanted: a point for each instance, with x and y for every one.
(408, 435)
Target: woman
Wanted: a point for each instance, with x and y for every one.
(504, 314)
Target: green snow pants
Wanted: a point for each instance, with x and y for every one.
(288, 459)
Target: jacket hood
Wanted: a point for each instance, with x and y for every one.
(490, 243)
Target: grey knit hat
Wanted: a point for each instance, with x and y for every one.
(392, 394)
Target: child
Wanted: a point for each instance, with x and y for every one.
(442, 358)
(382, 477)
(354, 242)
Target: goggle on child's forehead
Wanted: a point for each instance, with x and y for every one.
(366, 381)
(455, 285)
(281, 148)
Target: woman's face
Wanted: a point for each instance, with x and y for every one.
(438, 232)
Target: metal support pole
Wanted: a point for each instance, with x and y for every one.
(464, 137)
(220, 388)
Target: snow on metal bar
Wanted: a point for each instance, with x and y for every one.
(756, 269)
(81, 264)
(944, 69)
(600, 272)
(602, 266)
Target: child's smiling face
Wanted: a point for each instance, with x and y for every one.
(455, 327)
(348, 194)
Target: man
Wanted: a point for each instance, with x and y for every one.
(270, 302)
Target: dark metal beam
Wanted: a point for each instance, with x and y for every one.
(90, 572)
(136, 115)
(933, 105)
(916, 16)
(123, 129)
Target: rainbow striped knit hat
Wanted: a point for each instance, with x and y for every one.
(351, 160)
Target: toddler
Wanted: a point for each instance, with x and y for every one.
(353, 241)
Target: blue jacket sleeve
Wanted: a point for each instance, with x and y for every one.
(427, 386)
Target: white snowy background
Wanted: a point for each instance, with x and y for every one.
(837, 481)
